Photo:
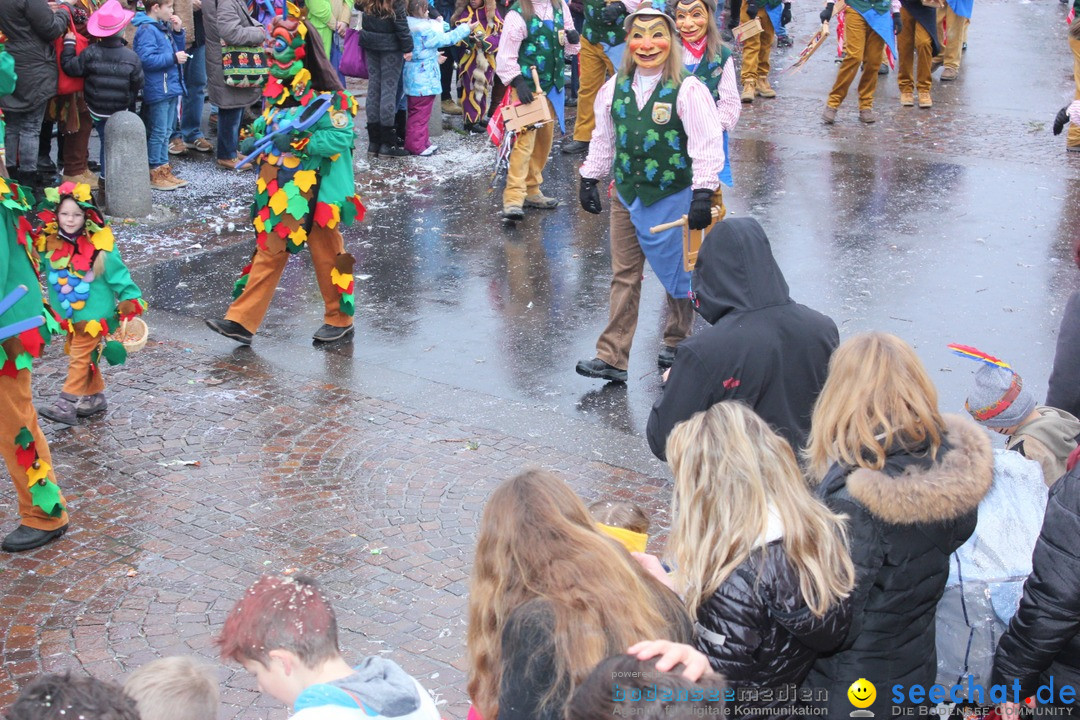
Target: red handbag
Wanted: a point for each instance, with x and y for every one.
(66, 84)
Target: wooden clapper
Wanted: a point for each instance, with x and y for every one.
(520, 116)
(691, 239)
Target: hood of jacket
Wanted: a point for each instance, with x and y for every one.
(736, 271)
(381, 686)
(1058, 430)
(904, 493)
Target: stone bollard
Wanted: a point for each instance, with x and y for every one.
(127, 169)
(434, 126)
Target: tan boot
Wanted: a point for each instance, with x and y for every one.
(907, 99)
(748, 92)
(173, 179)
(159, 180)
(925, 101)
(764, 89)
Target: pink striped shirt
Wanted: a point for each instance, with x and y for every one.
(514, 32)
(705, 140)
(729, 105)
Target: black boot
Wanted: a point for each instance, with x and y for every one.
(399, 125)
(373, 139)
(390, 145)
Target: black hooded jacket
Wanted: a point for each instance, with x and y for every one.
(763, 348)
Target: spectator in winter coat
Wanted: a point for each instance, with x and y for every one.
(112, 70)
(763, 348)
(1042, 639)
(910, 482)
(762, 564)
(31, 27)
(159, 42)
(387, 43)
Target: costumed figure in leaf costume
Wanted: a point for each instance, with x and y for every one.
(304, 191)
(707, 58)
(657, 130)
(91, 290)
(27, 324)
(476, 69)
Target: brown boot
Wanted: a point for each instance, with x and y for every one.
(159, 180)
(764, 89)
(747, 92)
(173, 179)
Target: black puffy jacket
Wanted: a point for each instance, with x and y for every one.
(386, 34)
(759, 633)
(31, 27)
(1043, 639)
(112, 70)
(903, 523)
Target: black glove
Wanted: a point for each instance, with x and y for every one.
(589, 196)
(572, 37)
(897, 23)
(700, 215)
(613, 12)
(524, 92)
(283, 143)
(1061, 120)
(751, 9)
(733, 14)
(785, 14)
(826, 14)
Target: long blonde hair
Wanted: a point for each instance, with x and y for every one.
(537, 540)
(876, 398)
(674, 70)
(730, 470)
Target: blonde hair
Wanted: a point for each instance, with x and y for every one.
(625, 515)
(876, 398)
(731, 470)
(537, 541)
(174, 688)
(674, 70)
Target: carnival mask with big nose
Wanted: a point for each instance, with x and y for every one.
(650, 42)
(286, 46)
(692, 20)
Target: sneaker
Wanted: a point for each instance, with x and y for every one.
(764, 89)
(232, 330)
(229, 164)
(747, 96)
(177, 146)
(784, 41)
(666, 357)
(1073, 148)
(597, 368)
(159, 179)
(25, 538)
(429, 150)
(61, 411)
(949, 74)
(541, 201)
(907, 99)
(513, 212)
(867, 116)
(449, 107)
(173, 179)
(925, 101)
(828, 116)
(91, 405)
(200, 145)
(330, 333)
(575, 147)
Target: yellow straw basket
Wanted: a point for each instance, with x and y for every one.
(133, 334)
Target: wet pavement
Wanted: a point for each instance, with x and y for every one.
(367, 463)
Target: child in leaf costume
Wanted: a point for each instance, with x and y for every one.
(91, 290)
(305, 188)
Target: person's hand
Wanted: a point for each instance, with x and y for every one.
(181, 57)
(196, 4)
(341, 28)
(613, 12)
(826, 14)
(1009, 710)
(176, 23)
(71, 36)
(695, 664)
(573, 37)
(1061, 120)
(651, 564)
(589, 196)
(442, 58)
(897, 23)
(700, 215)
(664, 377)
(524, 92)
(751, 10)
(785, 14)
(246, 146)
(407, 56)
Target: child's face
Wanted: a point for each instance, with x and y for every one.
(274, 680)
(70, 217)
(162, 11)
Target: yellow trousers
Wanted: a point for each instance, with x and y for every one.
(83, 378)
(952, 33)
(758, 49)
(862, 46)
(527, 160)
(1074, 131)
(594, 67)
(913, 43)
(266, 267)
(17, 412)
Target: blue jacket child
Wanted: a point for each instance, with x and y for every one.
(422, 72)
(156, 45)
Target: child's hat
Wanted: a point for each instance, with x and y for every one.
(109, 19)
(999, 398)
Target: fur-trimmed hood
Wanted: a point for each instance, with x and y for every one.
(942, 491)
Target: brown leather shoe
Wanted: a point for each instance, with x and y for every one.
(159, 180)
(867, 116)
(228, 164)
(177, 146)
(907, 99)
(173, 179)
(828, 116)
(764, 89)
(747, 92)
(949, 74)
(925, 101)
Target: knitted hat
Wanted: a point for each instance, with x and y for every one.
(999, 399)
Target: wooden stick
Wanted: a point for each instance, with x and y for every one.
(680, 222)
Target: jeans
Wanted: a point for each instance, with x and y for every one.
(23, 137)
(161, 116)
(189, 126)
(228, 132)
(99, 125)
(384, 81)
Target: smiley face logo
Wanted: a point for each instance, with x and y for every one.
(862, 693)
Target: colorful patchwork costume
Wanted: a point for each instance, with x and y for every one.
(476, 69)
(305, 188)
